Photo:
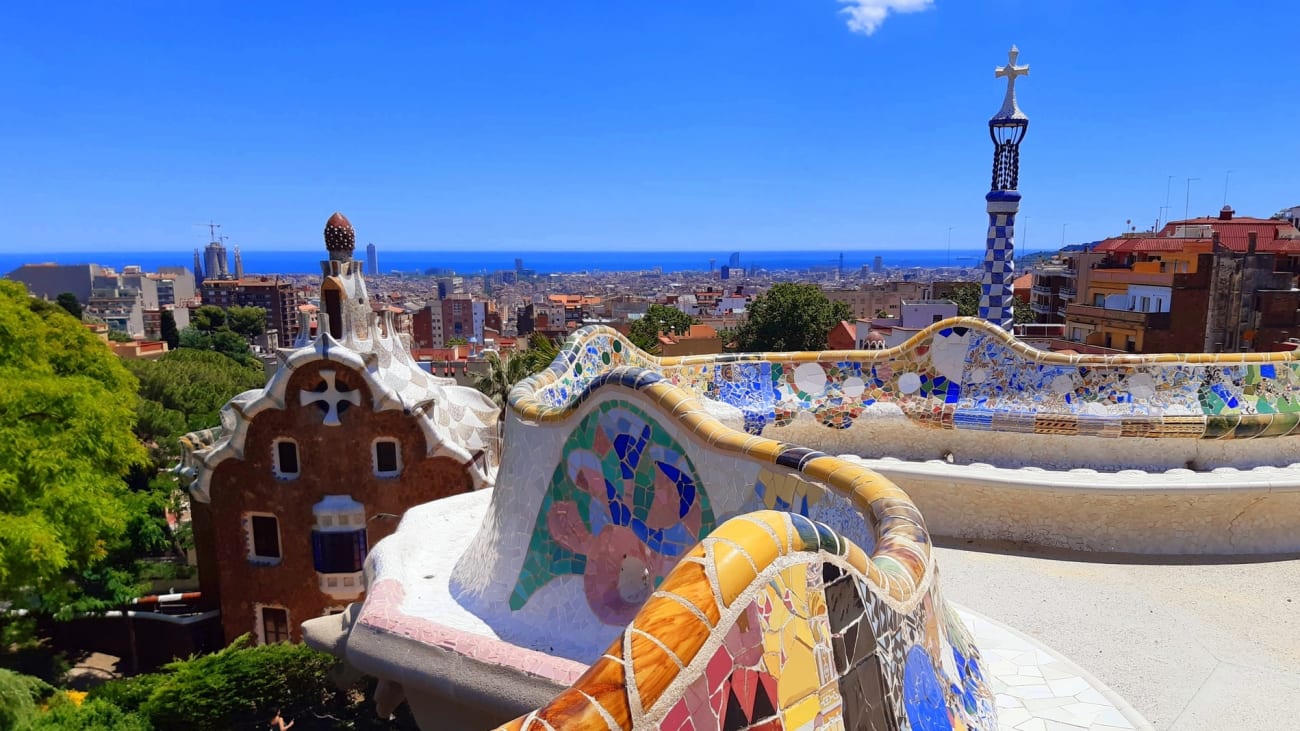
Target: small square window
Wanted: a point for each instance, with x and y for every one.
(286, 459)
(387, 458)
(275, 625)
(265, 533)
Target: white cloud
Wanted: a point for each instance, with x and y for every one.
(865, 16)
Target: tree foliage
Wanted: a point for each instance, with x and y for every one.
(221, 341)
(167, 330)
(208, 318)
(90, 715)
(184, 391)
(247, 321)
(19, 695)
(790, 317)
(68, 301)
(501, 376)
(66, 442)
(541, 352)
(457, 341)
(967, 297)
(644, 332)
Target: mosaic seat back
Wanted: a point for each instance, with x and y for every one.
(712, 577)
(776, 622)
(742, 582)
(966, 374)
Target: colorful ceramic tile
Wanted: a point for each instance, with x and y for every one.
(623, 504)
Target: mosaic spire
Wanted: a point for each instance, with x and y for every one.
(1007, 129)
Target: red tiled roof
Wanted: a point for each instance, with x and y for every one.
(1144, 243)
(1271, 234)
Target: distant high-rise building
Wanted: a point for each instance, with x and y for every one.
(519, 266)
(726, 272)
(198, 267)
(372, 260)
(878, 265)
(734, 261)
(239, 264)
(712, 263)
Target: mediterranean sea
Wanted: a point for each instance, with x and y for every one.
(541, 262)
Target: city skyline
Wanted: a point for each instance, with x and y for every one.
(721, 127)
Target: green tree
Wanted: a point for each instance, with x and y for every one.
(456, 341)
(967, 297)
(247, 321)
(541, 352)
(232, 346)
(644, 332)
(221, 341)
(208, 318)
(501, 376)
(118, 336)
(790, 317)
(728, 336)
(167, 330)
(67, 414)
(184, 391)
(68, 301)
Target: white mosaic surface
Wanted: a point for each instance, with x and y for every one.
(1038, 690)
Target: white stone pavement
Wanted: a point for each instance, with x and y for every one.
(1039, 690)
(1199, 644)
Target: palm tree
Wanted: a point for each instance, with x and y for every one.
(541, 352)
(501, 376)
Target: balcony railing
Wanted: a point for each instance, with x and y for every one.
(1040, 308)
(1066, 292)
(1045, 291)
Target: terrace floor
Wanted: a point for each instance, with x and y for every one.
(1199, 644)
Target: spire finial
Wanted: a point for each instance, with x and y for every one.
(340, 238)
(1010, 109)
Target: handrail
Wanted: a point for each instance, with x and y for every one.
(689, 616)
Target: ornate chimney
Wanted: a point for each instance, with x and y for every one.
(340, 239)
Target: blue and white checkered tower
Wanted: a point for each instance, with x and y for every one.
(1007, 128)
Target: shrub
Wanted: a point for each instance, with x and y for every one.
(19, 695)
(129, 694)
(238, 687)
(92, 715)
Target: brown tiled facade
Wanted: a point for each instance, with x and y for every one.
(332, 460)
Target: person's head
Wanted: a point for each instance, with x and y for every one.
(275, 712)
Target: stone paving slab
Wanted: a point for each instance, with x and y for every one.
(1037, 689)
(1194, 644)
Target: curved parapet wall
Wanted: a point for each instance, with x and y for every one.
(961, 374)
(605, 522)
(771, 622)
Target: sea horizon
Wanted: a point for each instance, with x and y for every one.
(301, 262)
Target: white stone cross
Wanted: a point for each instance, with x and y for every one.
(331, 396)
(1011, 72)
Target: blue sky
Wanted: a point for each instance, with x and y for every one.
(721, 124)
